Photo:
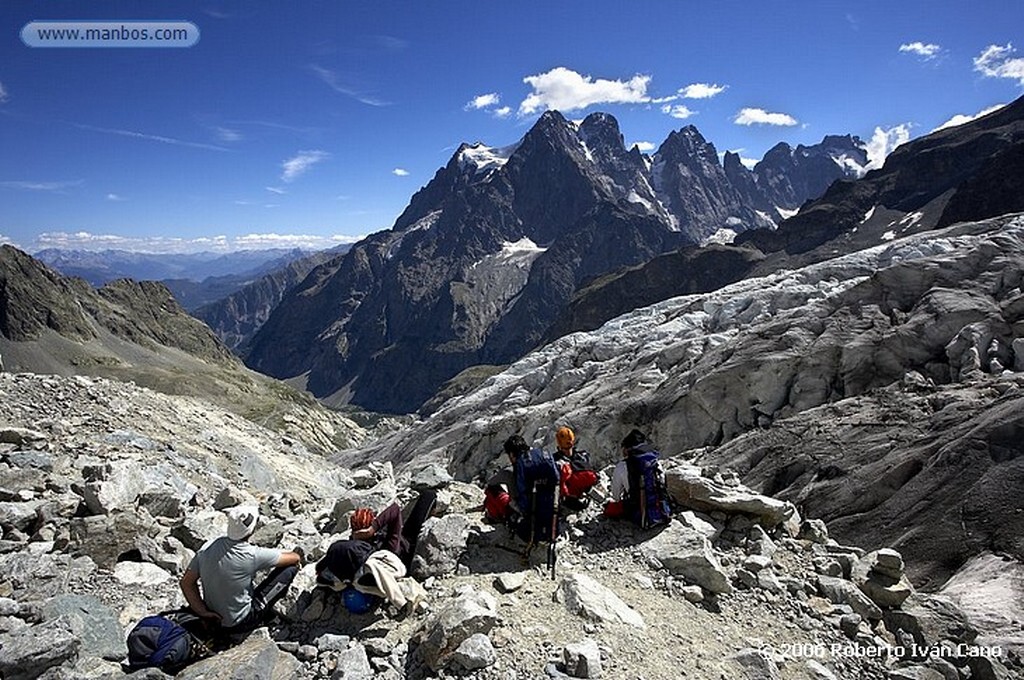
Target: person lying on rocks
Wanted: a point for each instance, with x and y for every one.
(638, 484)
(375, 559)
(226, 567)
(576, 475)
(525, 497)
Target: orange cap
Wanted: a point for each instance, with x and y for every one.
(565, 438)
(361, 519)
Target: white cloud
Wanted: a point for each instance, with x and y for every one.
(483, 101)
(334, 81)
(3, 94)
(503, 112)
(300, 163)
(924, 50)
(565, 90)
(84, 240)
(400, 172)
(150, 138)
(276, 190)
(7, 240)
(645, 147)
(115, 197)
(702, 90)
(228, 135)
(56, 187)
(883, 142)
(995, 62)
(762, 117)
(678, 111)
(962, 118)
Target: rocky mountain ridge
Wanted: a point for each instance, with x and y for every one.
(568, 202)
(136, 331)
(235, 318)
(914, 191)
(102, 508)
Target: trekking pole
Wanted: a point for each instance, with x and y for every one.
(533, 523)
(553, 544)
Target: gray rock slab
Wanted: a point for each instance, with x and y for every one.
(586, 597)
(690, 488)
(258, 658)
(441, 634)
(582, 659)
(95, 624)
(474, 653)
(442, 543)
(686, 552)
(28, 653)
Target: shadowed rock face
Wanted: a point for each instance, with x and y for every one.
(406, 310)
(33, 298)
(237, 317)
(788, 177)
(386, 324)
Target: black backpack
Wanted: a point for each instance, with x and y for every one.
(648, 497)
(537, 495)
(163, 641)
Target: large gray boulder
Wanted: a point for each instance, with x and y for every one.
(692, 489)
(95, 624)
(442, 543)
(931, 618)
(258, 658)
(590, 599)
(687, 552)
(841, 591)
(28, 653)
(439, 637)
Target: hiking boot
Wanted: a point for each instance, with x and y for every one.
(328, 580)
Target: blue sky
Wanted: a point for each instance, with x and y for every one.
(311, 123)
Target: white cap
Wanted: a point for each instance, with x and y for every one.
(242, 521)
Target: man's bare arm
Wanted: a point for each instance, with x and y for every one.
(190, 589)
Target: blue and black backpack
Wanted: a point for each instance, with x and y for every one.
(647, 498)
(536, 480)
(164, 642)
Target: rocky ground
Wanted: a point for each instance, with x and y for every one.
(106, 489)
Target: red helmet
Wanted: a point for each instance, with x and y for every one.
(361, 519)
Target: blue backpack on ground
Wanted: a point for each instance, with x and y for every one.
(162, 641)
(648, 498)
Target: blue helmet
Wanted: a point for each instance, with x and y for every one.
(356, 602)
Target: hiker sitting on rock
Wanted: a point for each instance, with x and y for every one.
(638, 484)
(227, 567)
(526, 496)
(576, 476)
(375, 559)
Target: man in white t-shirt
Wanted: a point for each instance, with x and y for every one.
(227, 567)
